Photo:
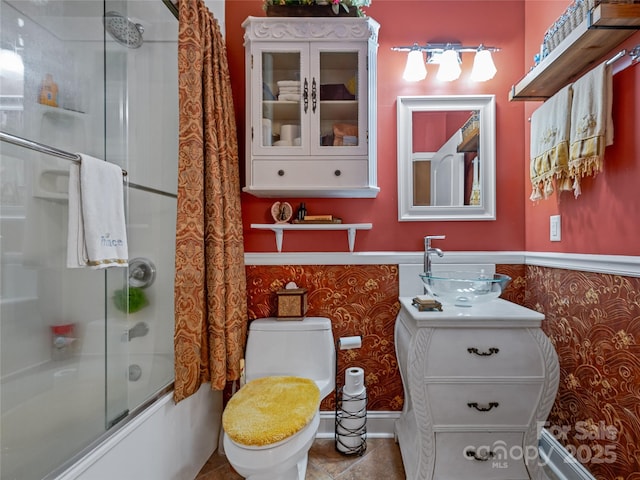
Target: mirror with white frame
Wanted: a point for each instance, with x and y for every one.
(446, 157)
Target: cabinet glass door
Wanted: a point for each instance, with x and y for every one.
(281, 97)
(339, 101)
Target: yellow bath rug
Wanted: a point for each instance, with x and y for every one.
(270, 409)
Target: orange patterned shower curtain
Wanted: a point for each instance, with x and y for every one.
(210, 283)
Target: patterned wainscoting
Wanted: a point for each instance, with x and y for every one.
(359, 300)
(515, 291)
(593, 319)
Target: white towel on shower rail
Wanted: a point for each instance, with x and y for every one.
(97, 233)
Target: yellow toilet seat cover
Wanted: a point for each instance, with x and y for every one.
(270, 409)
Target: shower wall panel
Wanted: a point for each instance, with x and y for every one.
(119, 105)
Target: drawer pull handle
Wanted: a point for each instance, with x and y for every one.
(281, 173)
(337, 173)
(480, 458)
(491, 351)
(483, 409)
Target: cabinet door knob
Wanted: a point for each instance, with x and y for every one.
(490, 406)
(314, 95)
(491, 351)
(281, 173)
(305, 95)
(337, 173)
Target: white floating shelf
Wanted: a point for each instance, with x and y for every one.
(279, 228)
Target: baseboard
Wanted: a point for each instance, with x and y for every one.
(559, 461)
(379, 424)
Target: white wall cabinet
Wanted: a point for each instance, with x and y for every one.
(311, 106)
(479, 382)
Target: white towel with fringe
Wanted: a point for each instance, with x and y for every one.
(549, 152)
(591, 123)
(97, 233)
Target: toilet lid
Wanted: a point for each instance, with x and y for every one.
(270, 409)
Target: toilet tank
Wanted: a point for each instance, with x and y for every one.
(302, 348)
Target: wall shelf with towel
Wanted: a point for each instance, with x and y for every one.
(279, 228)
(605, 27)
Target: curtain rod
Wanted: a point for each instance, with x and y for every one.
(42, 148)
(172, 7)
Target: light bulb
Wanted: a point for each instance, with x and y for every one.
(483, 67)
(449, 66)
(415, 70)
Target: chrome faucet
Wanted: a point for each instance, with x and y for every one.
(428, 250)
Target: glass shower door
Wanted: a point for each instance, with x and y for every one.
(53, 333)
(75, 357)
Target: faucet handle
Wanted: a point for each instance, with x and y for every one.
(428, 238)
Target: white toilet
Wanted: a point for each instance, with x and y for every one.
(285, 348)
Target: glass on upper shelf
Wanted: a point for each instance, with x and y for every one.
(282, 94)
(338, 91)
(309, 97)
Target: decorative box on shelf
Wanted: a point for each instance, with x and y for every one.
(292, 303)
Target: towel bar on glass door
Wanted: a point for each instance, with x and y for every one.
(41, 147)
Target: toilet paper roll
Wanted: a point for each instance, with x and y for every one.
(347, 343)
(267, 137)
(353, 381)
(289, 132)
(348, 442)
(354, 408)
(351, 424)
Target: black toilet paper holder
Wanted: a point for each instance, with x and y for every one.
(342, 433)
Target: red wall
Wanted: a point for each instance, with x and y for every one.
(495, 23)
(604, 219)
(601, 221)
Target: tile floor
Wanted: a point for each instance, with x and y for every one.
(381, 460)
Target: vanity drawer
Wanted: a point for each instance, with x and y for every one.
(491, 403)
(498, 456)
(309, 173)
(483, 352)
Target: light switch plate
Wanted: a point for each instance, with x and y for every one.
(555, 230)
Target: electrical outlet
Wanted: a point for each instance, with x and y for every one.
(555, 228)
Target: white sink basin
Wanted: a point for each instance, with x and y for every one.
(464, 289)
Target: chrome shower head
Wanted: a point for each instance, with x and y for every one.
(123, 30)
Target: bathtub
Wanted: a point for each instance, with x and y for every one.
(53, 410)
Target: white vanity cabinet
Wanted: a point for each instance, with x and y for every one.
(311, 106)
(479, 383)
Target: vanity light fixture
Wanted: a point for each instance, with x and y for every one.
(449, 66)
(415, 70)
(447, 55)
(483, 67)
